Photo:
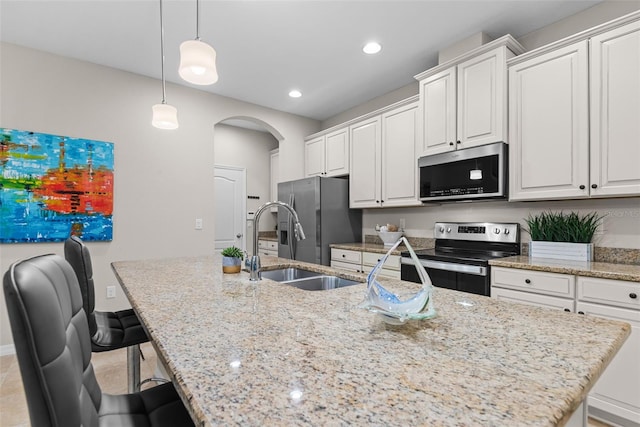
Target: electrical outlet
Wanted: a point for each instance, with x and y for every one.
(198, 223)
(111, 291)
(402, 224)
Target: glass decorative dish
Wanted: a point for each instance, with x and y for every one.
(394, 309)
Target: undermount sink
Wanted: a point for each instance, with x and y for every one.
(288, 274)
(307, 280)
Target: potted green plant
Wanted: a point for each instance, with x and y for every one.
(232, 259)
(562, 236)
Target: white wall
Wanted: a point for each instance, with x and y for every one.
(163, 179)
(249, 149)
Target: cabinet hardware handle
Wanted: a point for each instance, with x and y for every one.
(567, 310)
(451, 144)
(581, 312)
(527, 281)
(594, 185)
(633, 295)
(582, 187)
(457, 142)
(344, 256)
(377, 201)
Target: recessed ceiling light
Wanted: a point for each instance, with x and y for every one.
(372, 48)
(295, 93)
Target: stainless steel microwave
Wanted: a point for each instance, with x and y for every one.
(467, 174)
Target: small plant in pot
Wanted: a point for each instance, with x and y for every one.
(562, 236)
(232, 260)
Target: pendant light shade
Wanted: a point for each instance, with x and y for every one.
(198, 59)
(198, 63)
(165, 116)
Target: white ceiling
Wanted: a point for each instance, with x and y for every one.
(266, 48)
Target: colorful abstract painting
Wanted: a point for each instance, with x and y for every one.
(53, 186)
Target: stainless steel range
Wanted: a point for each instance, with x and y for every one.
(460, 259)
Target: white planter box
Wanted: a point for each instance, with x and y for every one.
(561, 250)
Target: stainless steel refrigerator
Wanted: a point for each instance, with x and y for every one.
(322, 205)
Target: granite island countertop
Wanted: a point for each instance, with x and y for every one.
(264, 353)
(603, 270)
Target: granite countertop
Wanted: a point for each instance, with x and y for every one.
(256, 353)
(603, 270)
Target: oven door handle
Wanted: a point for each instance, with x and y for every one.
(439, 265)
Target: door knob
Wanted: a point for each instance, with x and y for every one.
(239, 235)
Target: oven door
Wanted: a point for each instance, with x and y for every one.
(461, 277)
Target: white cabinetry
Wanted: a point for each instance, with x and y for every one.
(464, 102)
(617, 391)
(615, 398)
(275, 177)
(383, 161)
(267, 247)
(328, 155)
(391, 268)
(537, 288)
(573, 118)
(346, 260)
(615, 112)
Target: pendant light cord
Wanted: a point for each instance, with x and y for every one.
(197, 19)
(162, 54)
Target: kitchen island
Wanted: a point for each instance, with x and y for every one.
(265, 353)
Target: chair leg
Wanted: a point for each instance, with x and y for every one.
(133, 368)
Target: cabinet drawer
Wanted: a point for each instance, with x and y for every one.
(533, 299)
(562, 285)
(371, 259)
(346, 255)
(610, 292)
(346, 266)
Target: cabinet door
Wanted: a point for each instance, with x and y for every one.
(337, 153)
(548, 126)
(532, 299)
(482, 99)
(366, 164)
(399, 165)
(618, 389)
(615, 112)
(438, 115)
(314, 156)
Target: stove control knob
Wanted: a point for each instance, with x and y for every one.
(448, 229)
(496, 230)
(441, 229)
(506, 231)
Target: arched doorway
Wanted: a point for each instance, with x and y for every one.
(243, 149)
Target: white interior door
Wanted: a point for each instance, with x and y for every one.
(230, 197)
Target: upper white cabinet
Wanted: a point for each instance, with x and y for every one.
(328, 155)
(574, 130)
(383, 165)
(615, 112)
(464, 102)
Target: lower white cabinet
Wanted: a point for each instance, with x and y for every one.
(615, 398)
(617, 392)
(267, 247)
(346, 260)
(391, 268)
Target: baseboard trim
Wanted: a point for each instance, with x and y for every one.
(6, 350)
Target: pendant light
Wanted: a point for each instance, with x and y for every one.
(198, 59)
(165, 116)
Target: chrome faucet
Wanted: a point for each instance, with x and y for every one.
(253, 263)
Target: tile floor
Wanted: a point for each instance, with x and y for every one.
(111, 371)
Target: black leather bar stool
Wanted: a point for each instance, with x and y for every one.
(51, 335)
(108, 330)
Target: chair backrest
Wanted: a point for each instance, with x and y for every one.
(51, 336)
(77, 254)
